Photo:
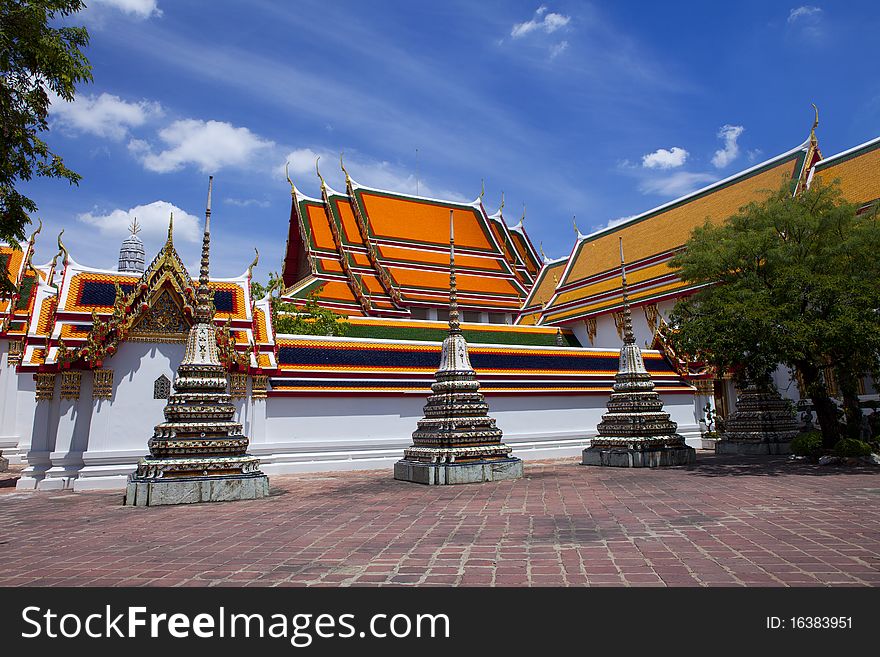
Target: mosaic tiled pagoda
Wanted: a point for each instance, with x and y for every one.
(456, 442)
(198, 454)
(635, 432)
(763, 423)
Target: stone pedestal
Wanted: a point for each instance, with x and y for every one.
(634, 457)
(763, 423)
(473, 472)
(4, 463)
(158, 491)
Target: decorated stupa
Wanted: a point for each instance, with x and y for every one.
(132, 254)
(635, 432)
(199, 453)
(763, 423)
(456, 442)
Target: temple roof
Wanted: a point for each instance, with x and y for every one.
(857, 169)
(89, 311)
(379, 253)
(590, 283)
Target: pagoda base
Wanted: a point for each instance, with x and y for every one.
(468, 472)
(758, 447)
(650, 457)
(159, 482)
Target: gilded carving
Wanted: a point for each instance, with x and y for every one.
(260, 388)
(618, 322)
(238, 385)
(70, 382)
(164, 322)
(16, 349)
(591, 328)
(45, 386)
(102, 384)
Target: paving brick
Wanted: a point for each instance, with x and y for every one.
(724, 521)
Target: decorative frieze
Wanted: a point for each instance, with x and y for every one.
(260, 388)
(70, 383)
(704, 386)
(102, 384)
(16, 350)
(45, 386)
(237, 386)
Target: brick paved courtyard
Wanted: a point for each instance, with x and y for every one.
(726, 521)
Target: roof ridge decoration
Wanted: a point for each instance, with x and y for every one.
(165, 274)
(382, 274)
(353, 282)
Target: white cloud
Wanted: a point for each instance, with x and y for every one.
(105, 115)
(616, 222)
(665, 159)
(726, 155)
(379, 174)
(210, 145)
(558, 49)
(754, 154)
(153, 220)
(542, 21)
(141, 9)
(246, 202)
(676, 184)
(806, 11)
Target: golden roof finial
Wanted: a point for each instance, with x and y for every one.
(543, 255)
(574, 223)
(133, 227)
(170, 228)
(36, 232)
(815, 123)
(482, 188)
(522, 219)
(256, 261)
(62, 248)
(28, 263)
(342, 165)
(323, 184)
(287, 174)
(501, 207)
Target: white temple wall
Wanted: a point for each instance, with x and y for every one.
(10, 435)
(322, 433)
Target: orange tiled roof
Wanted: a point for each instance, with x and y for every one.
(858, 170)
(590, 278)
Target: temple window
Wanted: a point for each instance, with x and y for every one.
(162, 388)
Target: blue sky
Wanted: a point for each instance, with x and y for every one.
(596, 110)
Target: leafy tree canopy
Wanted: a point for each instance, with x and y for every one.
(792, 279)
(35, 59)
(293, 319)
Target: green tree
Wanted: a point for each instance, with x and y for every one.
(295, 319)
(792, 279)
(35, 59)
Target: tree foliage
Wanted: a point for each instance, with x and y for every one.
(792, 279)
(294, 319)
(36, 59)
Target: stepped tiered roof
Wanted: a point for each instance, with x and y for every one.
(371, 252)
